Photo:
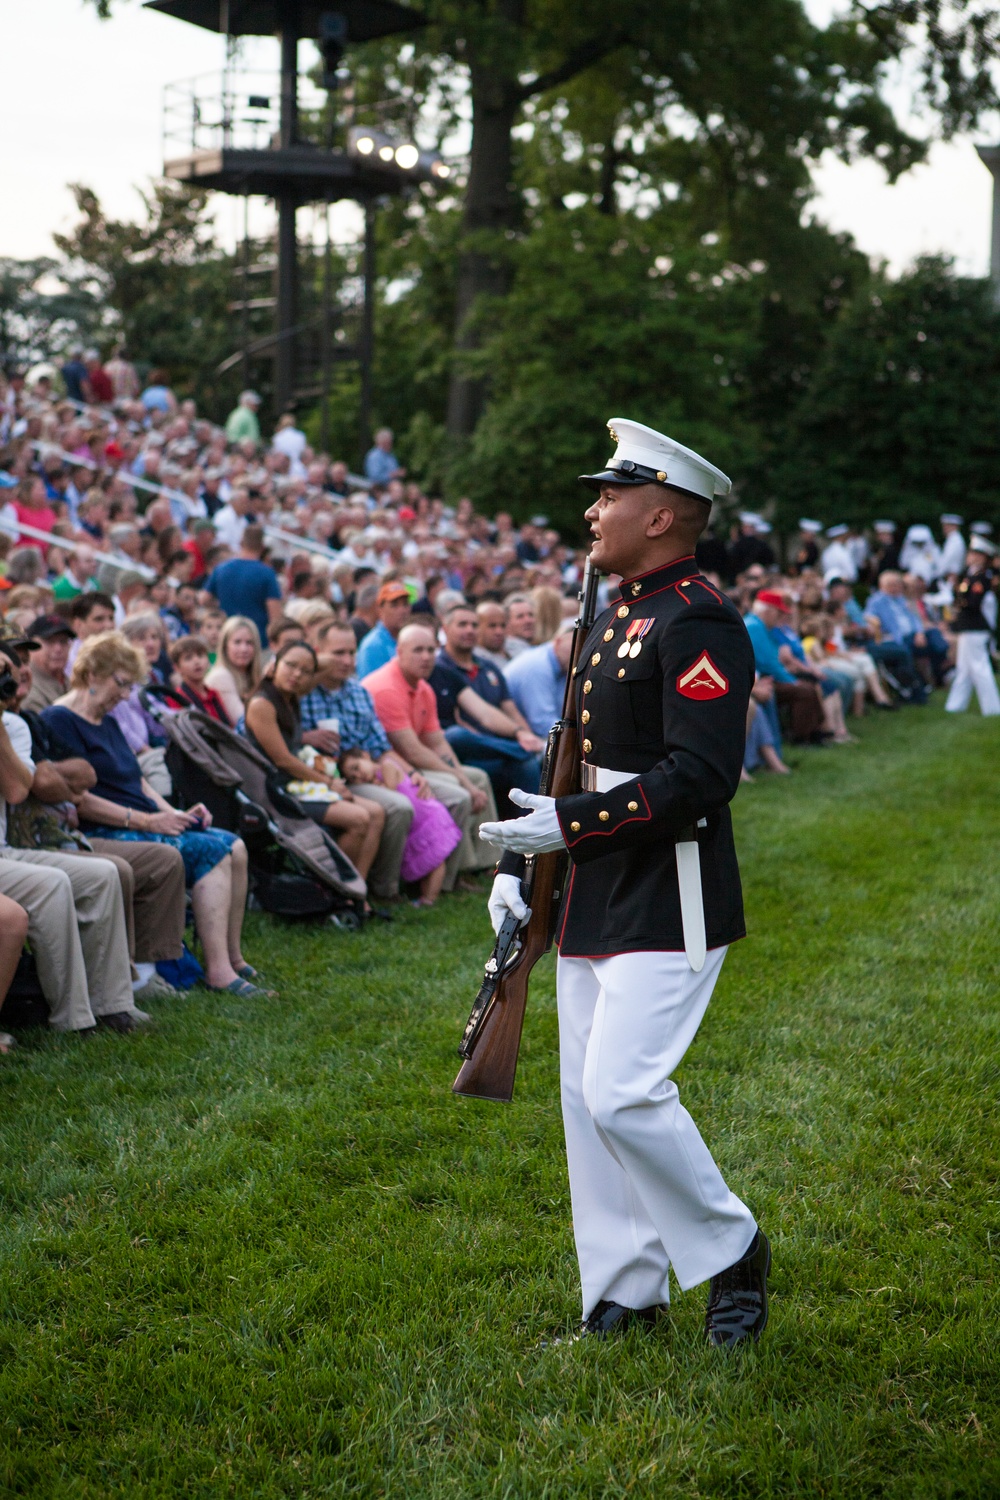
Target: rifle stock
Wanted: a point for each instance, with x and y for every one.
(489, 1072)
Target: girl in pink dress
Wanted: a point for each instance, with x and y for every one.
(433, 833)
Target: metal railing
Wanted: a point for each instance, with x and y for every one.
(239, 108)
(192, 509)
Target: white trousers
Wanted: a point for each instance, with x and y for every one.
(973, 670)
(646, 1192)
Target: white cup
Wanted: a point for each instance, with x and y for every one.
(333, 725)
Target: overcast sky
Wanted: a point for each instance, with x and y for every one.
(81, 101)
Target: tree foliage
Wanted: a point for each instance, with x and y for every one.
(163, 281)
(899, 417)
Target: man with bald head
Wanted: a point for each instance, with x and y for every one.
(491, 634)
(407, 710)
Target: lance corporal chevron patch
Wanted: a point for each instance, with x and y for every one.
(703, 680)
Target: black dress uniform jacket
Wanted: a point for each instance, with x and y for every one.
(674, 710)
(970, 592)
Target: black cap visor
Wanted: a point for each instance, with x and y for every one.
(631, 474)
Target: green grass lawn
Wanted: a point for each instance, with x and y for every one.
(265, 1252)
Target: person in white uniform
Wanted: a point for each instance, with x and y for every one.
(653, 900)
(973, 621)
(953, 547)
(837, 555)
(920, 554)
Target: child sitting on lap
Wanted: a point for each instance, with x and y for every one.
(433, 833)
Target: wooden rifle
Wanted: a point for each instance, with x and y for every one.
(490, 1043)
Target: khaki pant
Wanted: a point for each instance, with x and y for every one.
(76, 925)
(383, 877)
(152, 882)
(472, 853)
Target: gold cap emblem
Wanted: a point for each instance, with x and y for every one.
(636, 589)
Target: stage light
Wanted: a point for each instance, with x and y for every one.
(401, 159)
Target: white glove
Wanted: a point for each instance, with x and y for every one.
(506, 897)
(539, 833)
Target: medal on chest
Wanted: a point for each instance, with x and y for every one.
(634, 637)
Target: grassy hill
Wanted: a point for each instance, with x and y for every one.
(264, 1252)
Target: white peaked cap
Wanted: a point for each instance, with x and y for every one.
(984, 545)
(981, 528)
(813, 527)
(643, 456)
(919, 534)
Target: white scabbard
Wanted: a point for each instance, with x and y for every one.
(692, 905)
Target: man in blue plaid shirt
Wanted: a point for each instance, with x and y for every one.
(339, 695)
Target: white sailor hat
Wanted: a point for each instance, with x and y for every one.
(812, 527)
(839, 530)
(889, 526)
(763, 528)
(981, 528)
(982, 544)
(643, 456)
(919, 534)
(951, 520)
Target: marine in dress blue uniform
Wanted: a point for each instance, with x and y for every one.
(652, 903)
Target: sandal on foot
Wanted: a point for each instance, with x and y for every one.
(257, 979)
(243, 988)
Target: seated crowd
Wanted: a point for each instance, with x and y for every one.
(397, 662)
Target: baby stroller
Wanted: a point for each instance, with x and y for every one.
(296, 868)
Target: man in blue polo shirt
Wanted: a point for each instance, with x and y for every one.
(480, 719)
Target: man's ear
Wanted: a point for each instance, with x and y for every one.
(660, 521)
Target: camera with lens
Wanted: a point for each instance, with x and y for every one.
(9, 681)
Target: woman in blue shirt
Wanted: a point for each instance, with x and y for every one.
(123, 805)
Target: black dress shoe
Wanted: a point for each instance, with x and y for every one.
(606, 1319)
(611, 1317)
(737, 1298)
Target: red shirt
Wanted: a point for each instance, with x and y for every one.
(400, 706)
(43, 519)
(101, 389)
